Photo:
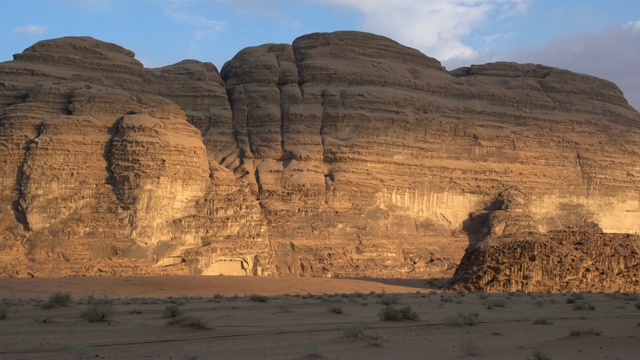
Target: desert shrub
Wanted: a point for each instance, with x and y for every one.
(482, 295)
(354, 330)
(542, 321)
(58, 299)
(285, 308)
(258, 298)
(538, 355)
(494, 303)
(583, 305)
(98, 310)
(462, 319)
(172, 311)
(581, 331)
(335, 309)
(408, 314)
(391, 313)
(388, 299)
(637, 305)
(190, 321)
(374, 340)
(135, 311)
(447, 298)
(573, 298)
(4, 311)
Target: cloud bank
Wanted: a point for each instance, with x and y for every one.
(31, 29)
(181, 12)
(435, 27)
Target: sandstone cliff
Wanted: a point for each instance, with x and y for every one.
(343, 154)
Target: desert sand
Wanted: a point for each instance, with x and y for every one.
(298, 318)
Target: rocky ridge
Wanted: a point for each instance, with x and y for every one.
(343, 154)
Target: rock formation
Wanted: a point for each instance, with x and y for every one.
(568, 261)
(343, 154)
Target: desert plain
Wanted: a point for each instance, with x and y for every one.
(226, 317)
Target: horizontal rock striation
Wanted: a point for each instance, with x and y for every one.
(342, 154)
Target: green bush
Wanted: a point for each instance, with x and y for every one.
(258, 298)
(98, 310)
(408, 314)
(496, 303)
(462, 319)
(388, 299)
(542, 321)
(573, 298)
(354, 330)
(335, 309)
(390, 313)
(539, 355)
(191, 321)
(4, 311)
(581, 331)
(172, 311)
(583, 305)
(58, 299)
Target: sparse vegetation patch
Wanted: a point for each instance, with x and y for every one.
(354, 330)
(258, 298)
(462, 319)
(98, 310)
(391, 313)
(172, 311)
(58, 299)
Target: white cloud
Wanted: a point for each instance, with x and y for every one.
(31, 29)
(436, 27)
(490, 39)
(182, 13)
(633, 26)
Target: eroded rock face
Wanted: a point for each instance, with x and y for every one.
(568, 261)
(343, 154)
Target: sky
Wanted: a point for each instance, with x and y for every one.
(596, 37)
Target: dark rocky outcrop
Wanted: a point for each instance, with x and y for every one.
(558, 261)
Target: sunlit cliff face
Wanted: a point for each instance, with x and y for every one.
(343, 154)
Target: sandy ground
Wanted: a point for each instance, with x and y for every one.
(301, 319)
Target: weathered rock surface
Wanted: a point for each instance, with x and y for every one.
(568, 261)
(343, 154)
